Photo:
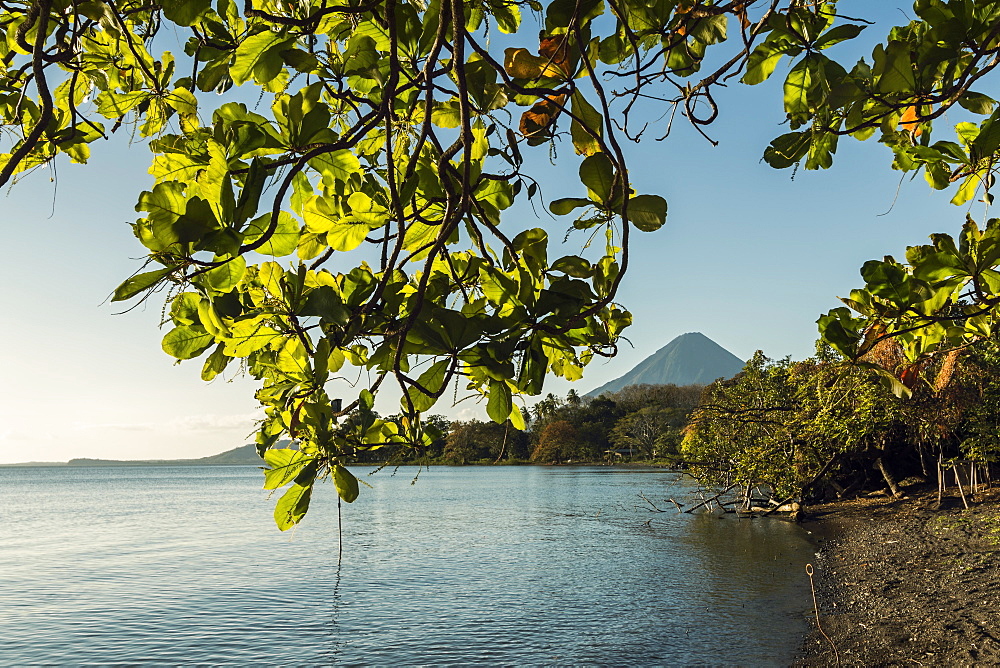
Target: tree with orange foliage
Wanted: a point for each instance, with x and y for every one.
(556, 441)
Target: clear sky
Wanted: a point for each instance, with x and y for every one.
(749, 256)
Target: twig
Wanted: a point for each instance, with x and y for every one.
(652, 506)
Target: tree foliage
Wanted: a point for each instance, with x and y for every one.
(355, 219)
(943, 299)
(475, 441)
(820, 428)
(644, 419)
(556, 442)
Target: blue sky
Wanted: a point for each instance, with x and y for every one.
(749, 256)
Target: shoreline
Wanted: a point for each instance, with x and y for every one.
(904, 582)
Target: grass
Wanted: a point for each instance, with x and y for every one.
(984, 525)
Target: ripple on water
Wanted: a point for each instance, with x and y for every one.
(524, 565)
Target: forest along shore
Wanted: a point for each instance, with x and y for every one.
(907, 582)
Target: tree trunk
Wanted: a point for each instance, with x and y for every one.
(887, 474)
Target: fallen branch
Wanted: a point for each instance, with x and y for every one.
(708, 501)
(652, 506)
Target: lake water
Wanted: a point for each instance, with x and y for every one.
(503, 565)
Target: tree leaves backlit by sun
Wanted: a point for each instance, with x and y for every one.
(355, 215)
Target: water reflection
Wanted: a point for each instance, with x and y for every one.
(758, 564)
(508, 565)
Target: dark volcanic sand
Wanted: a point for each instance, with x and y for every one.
(903, 583)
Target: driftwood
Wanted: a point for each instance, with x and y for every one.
(787, 503)
(777, 508)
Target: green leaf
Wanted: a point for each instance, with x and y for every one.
(893, 384)
(366, 401)
(311, 246)
(224, 278)
(187, 341)
(787, 149)
(574, 266)
(841, 331)
(978, 103)
(446, 115)
(821, 151)
(184, 308)
(500, 403)
(138, 283)
(711, 29)
(182, 101)
(938, 266)
(517, 418)
(839, 34)
(361, 54)
(292, 506)
(888, 281)
(763, 59)
(598, 174)
(293, 359)
(336, 166)
(560, 13)
(113, 105)
(259, 57)
(365, 209)
(347, 234)
(507, 15)
(248, 336)
(561, 207)
(285, 464)
(647, 212)
(215, 363)
(346, 483)
(432, 379)
(799, 85)
(285, 239)
(185, 12)
(988, 139)
(897, 69)
(967, 190)
(583, 141)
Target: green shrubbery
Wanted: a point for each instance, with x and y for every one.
(822, 428)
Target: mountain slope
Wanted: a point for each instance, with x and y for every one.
(689, 359)
(242, 456)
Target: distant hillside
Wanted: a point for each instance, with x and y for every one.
(689, 359)
(245, 455)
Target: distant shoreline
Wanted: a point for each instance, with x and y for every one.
(245, 455)
(125, 463)
(232, 458)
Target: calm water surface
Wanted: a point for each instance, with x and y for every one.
(512, 565)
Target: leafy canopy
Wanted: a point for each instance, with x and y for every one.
(818, 429)
(354, 217)
(941, 300)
